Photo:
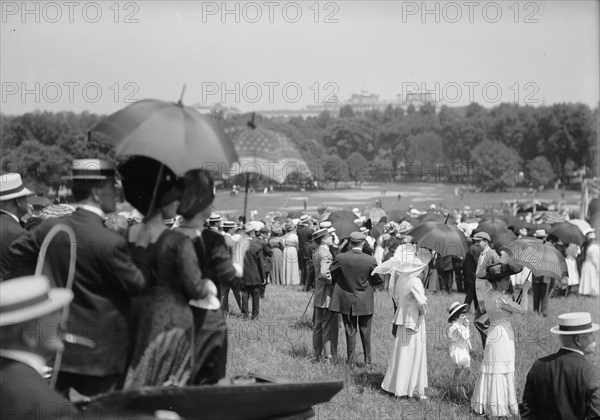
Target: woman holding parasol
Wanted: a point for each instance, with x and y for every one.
(162, 347)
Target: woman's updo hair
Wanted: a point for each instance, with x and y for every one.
(198, 193)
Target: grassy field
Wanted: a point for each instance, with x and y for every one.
(279, 344)
(419, 195)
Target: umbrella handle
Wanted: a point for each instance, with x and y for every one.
(155, 191)
(309, 300)
(246, 195)
(70, 277)
(520, 297)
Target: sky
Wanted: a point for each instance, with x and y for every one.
(264, 55)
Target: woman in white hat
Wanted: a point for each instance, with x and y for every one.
(564, 385)
(495, 393)
(406, 374)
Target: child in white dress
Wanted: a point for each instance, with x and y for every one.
(460, 344)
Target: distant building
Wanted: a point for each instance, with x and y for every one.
(218, 107)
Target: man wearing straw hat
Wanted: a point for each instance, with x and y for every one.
(105, 280)
(565, 385)
(13, 206)
(30, 317)
(353, 294)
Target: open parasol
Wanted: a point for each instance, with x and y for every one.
(537, 255)
(440, 237)
(567, 232)
(175, 135)
(343, 222)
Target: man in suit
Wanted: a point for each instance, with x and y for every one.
(304, 233)
(30, 316)
(228, 227)
(470, 269)
(353, 294)
(486, 258)
(254, 275)
(565, 385)
(105, 280)
(13, 206)
(325, 325)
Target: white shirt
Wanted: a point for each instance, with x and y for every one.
(93, 209)
(35, 361)
(575, 350)
(11, 215)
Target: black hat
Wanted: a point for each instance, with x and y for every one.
(500, 271)
(140, 175)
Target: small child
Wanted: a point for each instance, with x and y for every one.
(460, 344)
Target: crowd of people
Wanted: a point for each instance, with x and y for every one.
(156, 294)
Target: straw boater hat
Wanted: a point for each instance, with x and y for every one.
(214, 217)
(322, 232)
(327, 225)
(304, 219)
(540, 233)
(92, 170)
(500, 271)
(575, 323)
(227, 224)
(27, 298)
(11, 187)
(456, 307)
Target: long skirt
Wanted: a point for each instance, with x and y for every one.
(495, 393)
(291, 269)
(277, 269)
(406, 373)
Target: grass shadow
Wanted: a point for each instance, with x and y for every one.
(367, 380)
(303, 323)
(300, 350)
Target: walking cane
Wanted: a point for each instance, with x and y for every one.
(311, 296)
(70, 277)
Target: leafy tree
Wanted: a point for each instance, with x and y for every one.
(381, 169)
(347, 112)
(335, 170)
(346, 136)
(497, 166)
(40, 165)
(357, 168)
(425, 147)
(539, 171)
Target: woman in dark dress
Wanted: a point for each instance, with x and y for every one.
(214, 256)
(161, 353)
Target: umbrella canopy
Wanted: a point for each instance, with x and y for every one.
(432, 217)
(375, 214)
(513, 222)
(583, 226)
(396, 215)
(175, 135)
(567, 232)
(267, 153)
(540, 257)
(440, 237)
(492, 227)
(503, 239)
(343, 222)
(295, 214)
(377, 230)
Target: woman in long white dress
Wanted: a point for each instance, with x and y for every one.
(589, 282)
(291, 268)
(495, 393)
(406, 374)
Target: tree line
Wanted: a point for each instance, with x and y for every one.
(493, 148)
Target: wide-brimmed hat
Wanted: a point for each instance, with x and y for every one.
(404, 226)
(11, 187)
(456, 307)
(92, 170)
(540, 233)
(575, 323)
(408, 259)
(322, 232)
(140, 176)
(501, 270)
(482, 235)
(26, 298)
(304, 219)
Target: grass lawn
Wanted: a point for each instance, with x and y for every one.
(279, 344)
(419, 195)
